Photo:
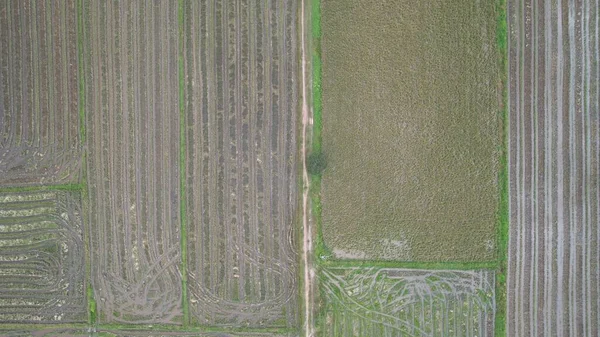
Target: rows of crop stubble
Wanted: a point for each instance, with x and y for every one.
(39, 117)
(131, 51)
(41, 258)
(554, 246)
(240, 138)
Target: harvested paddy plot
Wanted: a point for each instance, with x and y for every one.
(40, 142)
(554, 248)
(403, 302)
(412, 129)
(131, 52)
(240, 161)
(42, 265)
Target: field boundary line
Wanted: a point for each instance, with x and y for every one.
(503, 211)
(43, 326)
(182, 198)
(315, 95)
(81, 71)
(89, 290)
(41, 188)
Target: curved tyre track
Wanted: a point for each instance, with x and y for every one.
(41, 258)
(401, 302)
(554, 247)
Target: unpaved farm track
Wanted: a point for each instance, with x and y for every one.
(131, 51)
(39, 116)
(241, 162)
(41, 258)
(554, 247)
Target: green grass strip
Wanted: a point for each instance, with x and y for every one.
(91, 305)
(182, 202)
(411, 264)
(11, 327)
(91, 301)
(502, 230)
(316, 74)
(317, 102)
(320, 250)
(81, 71)
(40, 188)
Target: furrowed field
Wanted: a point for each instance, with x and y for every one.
(554, 248)
(299, 168)
(411, 130)
(148, 168)
(240, 162)
(39, 109)
(133, 156)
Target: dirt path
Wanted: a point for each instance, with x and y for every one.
(307, 237)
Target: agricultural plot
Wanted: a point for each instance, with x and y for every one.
(554, 248)
(42, 265)
(133, 174)
(404, 302)
(412, 129)
(240, 66)
(40, 141)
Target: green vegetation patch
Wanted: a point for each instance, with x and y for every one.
(411, 130)
(403, 302)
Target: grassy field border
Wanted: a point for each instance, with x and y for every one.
(182, 176)
(81, 71)
(89, 290)
(503, 207)
(39, 188)
(320, 249)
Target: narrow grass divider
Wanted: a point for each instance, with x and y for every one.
(315, 180)
(502, 222)
(91, 301)
(81, 72)
(61, 187)
(182, 201)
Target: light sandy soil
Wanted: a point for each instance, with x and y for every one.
(306, 225)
